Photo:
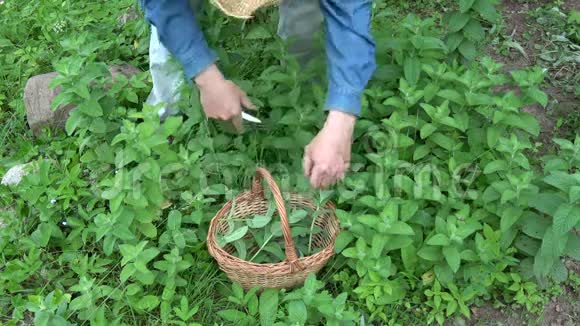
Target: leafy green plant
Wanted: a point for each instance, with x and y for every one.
(184, 313)
(525, 293)
(49, 310)
(558, 49)
(259, 238)
(452, 184)
(465, 29)
(560, 202)
(305, 305)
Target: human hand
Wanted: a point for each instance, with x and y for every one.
(327, 157)
(222, 99)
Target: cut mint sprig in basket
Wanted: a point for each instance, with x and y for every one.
(260, 239)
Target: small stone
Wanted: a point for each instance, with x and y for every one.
(15, 174)
(128, 16)
(558, 308)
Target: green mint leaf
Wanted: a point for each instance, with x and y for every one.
(268, 307)
(236, 234)
(495, 166)
(232, 315)
(297, 312)
(486, 9)
(565, 218)
(412, 70)
(510, 216)
(259, 221)
(457, 21)
(474, 31)
(452, 257)
(438, 240)
(465, 5)
(468, 50)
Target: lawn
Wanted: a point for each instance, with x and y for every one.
(461, 206)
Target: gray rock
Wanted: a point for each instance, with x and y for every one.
(129, 15)
(13, 176)
(38, 97)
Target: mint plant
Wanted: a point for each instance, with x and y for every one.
(259, 238)
(465, 31)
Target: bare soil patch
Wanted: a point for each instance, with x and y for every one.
(523, 31)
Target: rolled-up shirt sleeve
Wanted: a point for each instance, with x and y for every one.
(350, 52)
(180, 33)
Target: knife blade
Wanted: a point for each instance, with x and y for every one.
(250, 118)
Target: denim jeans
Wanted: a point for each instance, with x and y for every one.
(300, 20)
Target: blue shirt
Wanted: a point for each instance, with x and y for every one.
(350, 49)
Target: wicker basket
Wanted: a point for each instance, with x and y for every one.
(294, 270)
(243, 8)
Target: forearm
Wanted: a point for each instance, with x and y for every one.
(180, 33)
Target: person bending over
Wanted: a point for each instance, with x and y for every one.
(350, 51)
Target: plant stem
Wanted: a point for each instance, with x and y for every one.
(262, 247)
(314, 217)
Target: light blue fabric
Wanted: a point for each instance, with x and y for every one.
(350, 49)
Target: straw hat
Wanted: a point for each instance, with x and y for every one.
(242, 8)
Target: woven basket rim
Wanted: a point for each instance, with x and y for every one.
(239, 261)
(242, 9)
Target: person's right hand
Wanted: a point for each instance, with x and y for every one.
(220, 98)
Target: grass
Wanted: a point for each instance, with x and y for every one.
(204, 284)
(420, 7)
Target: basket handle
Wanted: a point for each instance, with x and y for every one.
(258, 189)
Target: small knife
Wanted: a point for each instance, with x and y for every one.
(250, 118)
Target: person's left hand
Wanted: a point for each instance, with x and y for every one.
(327, 157)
